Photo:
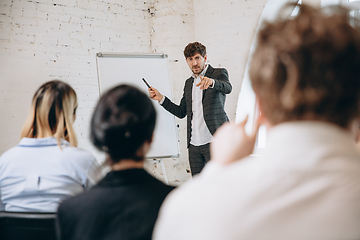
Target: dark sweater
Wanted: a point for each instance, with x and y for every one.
(124, 205)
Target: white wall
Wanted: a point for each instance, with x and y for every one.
(227, 30)
(315, 3)
(46, 39)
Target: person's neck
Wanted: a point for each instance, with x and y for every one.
(127, 164)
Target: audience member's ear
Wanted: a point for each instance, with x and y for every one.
(147, 145)
(144, 149)
(262, 119)
(355, 129)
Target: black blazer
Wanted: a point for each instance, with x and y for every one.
(124, 205)
(213, 101)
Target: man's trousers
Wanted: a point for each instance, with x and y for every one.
(198, 157)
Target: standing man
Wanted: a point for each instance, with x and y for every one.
(202, 102)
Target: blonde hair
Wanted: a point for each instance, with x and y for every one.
(52, 113)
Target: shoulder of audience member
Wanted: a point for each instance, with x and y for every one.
(9, 153)
(77, 156)
(161, 184)
(76, 203)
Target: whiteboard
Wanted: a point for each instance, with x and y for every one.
(122, 68)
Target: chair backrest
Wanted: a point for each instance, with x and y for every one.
(27, 226)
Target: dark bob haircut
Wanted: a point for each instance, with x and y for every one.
(123, 120)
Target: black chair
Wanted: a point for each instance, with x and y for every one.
(27, 226)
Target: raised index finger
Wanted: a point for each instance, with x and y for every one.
(243, 122)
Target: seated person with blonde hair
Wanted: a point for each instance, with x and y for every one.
(306, 184)
(46, 167)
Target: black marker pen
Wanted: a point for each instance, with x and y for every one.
(146, 83)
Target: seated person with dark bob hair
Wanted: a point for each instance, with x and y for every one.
(125, 204)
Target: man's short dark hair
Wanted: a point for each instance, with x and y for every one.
(193, 48)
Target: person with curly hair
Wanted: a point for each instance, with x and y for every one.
(305, 73)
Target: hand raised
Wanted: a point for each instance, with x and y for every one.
(205, 83)
(231, 142)
(155, 94)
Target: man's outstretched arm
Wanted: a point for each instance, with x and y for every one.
(178, 110)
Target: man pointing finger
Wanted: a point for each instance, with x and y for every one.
(202, 103)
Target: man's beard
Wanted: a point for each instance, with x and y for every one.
(200, 69)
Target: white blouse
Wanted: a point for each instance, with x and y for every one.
(304, 186)
(36, 175)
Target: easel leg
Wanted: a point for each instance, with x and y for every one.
(164, 172)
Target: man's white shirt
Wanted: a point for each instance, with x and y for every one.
(200, 134)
